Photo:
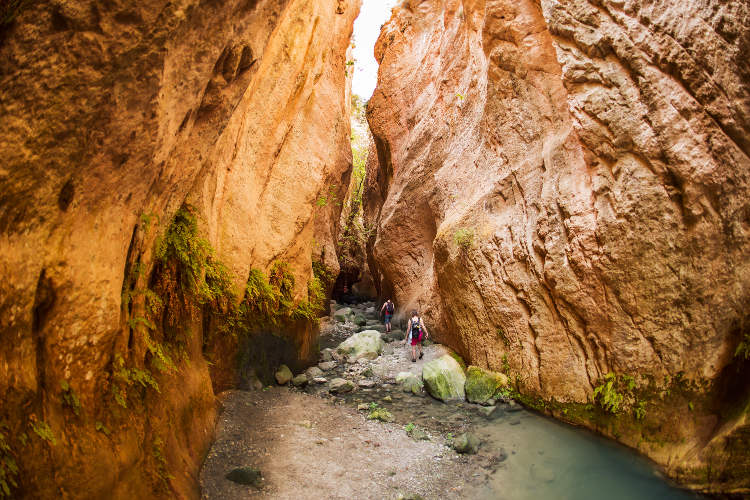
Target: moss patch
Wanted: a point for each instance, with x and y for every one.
(482, 385)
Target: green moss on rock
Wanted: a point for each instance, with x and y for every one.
(444, 379)
(482, 385)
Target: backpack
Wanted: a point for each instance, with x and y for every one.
(416, 329)
(389, 308)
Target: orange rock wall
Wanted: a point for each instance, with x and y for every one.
(112, 115)
(564, 185)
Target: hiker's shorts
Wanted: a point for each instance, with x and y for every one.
(387, 318)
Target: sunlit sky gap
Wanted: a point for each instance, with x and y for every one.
(374, 14)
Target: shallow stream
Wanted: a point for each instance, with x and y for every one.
(523, 455)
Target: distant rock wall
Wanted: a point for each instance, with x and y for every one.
(113, 116)
(562, 189)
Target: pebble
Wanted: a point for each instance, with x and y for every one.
(366, 383)
(320, 380)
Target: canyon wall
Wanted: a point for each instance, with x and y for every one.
(562, 189)
(213, 127)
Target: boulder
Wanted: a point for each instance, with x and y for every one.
(366, 383)
(482, 385)
(325, 354)
(313, 372)
(395, 336)
(247, 476)
(413, 385)
(487, 411)
(444, 378)
(327, 365)
(410, 382)
(360, 320)
(283, 375)
(320, 380)
(343, 314)
(466, 443)
(300, 380)
(340, 385)
(378, 328)
(366, 344)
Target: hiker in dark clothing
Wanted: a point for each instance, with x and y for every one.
(416, 332)
(388, 309)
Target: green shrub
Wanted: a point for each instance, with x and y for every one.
(70, 398)
(606, 394)
(506, 365)
(743, 348)
(464, 238)
(43, 430)
(8, 466)
(616, 393)
(126, 376)
(194, 263)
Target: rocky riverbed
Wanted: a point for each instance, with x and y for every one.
(355, 428)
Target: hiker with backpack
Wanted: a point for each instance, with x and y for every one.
(388, 309)
(416, 333)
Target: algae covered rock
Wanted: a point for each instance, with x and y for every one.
(444, 379)
(283, 375)
(367, 344)
(300, 380)
(410, 383)
(466, 443)
(482, 385)
(343, 314)
(360, 320)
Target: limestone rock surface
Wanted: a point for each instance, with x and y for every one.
(568, 183)
(113, 115)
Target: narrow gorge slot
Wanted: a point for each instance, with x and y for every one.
(374, 249)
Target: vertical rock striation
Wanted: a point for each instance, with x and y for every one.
(562, 188)
(113, 116)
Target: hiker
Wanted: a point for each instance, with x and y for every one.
(388, 309)
(416, 333)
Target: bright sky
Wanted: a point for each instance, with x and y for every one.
(374, 14)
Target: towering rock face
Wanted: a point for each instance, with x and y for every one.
(113, 116)
(562, 189)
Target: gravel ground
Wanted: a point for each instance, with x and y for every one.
(307, 447)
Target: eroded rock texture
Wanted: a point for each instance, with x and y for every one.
(113, 115)
(564, 185)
